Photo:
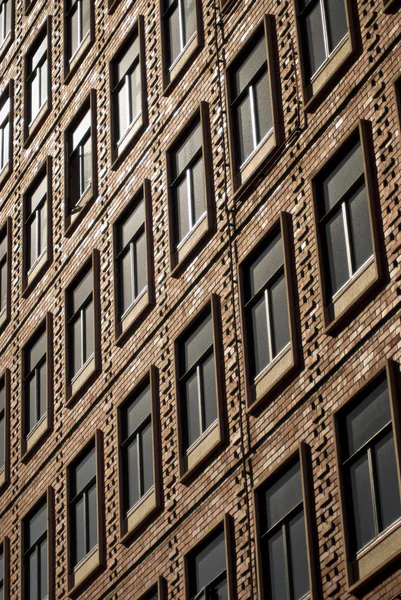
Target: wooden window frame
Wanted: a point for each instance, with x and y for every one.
(379, 553)
(10, 37)
(244, 175)
(225, 522)
(303, 453)
(5, 315)
(123, 327)
(88, 568)
(31, 129)
(72, 64)
(335, 65)
(364, 282)
(139, 515)
(120, 149)
(88, 372)
(73, 219)
(173, 74)
(30, 278)
(5, 546)
(51, 540)
(5, 471)
(211, 440)
(204, 229)
(8, 93)
(287, 361)
(34, 439)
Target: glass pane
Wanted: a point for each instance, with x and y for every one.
(263, 109)
(43, 570)
(32, 576)
(127, 296)
(283, 495)
(6, 143)
(312, 34)
(209, 391)
(137, 411)
(133, 222)
(198, 183)
(34, 96)
(43, 228)
(136, 91)
(3, 286)
(31, 405)
(362, 519)
(360, 228)
(147, 458)
(209, 561)
(43, 391)
(336, 21)
(87, 163)
(122, 112)
(92, 517)
(78, 550)
(173, 32)
(37, 351)
(126, 60)
(244, 129)
(275, 566)
(85, 17)
(250, 66)
(43, 83)
(31, 243)
(81, 291)
(7, 6)
(220, 590)
(198, 342)
(191, 411)
(188, 148)
(77, 358)
(37, 194)
(81, 129)
(345, 174)
(367, 417)
(189, 19)
(182, 208)
(279, 315)
(387, 481)
(75, 179)
(132, 489)
(298, 554)
(2, 442)
(336, 253)
(257, 337)
(141, 274)
(84, 471)
(73, 31)
(37, 526)
(89, 332)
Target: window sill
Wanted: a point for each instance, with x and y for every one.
(139, 515)
(267, 381)
(329, 73)
(82, 380)
(35, 273)
(122, 148)
(35, 437)
(32, 129)
(73, 218)
(73, 63)
(181, 64)
(138, 309)
(357, 288)
(85, 570)
(200, 451)
(378, 556)
(196, 237)
(391, 6)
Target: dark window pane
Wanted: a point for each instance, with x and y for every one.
(298, 555)
(250, 66)
(265, 265)
(73, 32)
(188, 148)
(32, 576)
(209, 388)
(367, 417)
(137, 411)
(32, 243)
(43, 570)
(244, 131)
(360, 228)
(312, 33)
(132, 474)
(43, 228)
(127, 296)
(362, 507)
(147, 458)
(141, 275)
(31, 404)
(81, 291)
(191, 411)
(75, 179)
(89, 333)
(258, 339)
(198, 342)
(43, 391)
(2, 442)
(220, 590)
(3, 286)
(199, 190)
(126, 60)
(84, 471)
(132, 223)
(279, 315)
(387, 481)
(92, 518)
(336, 21)
(283, 495)
(343, 176)
(263, 110)
(37, 351)
(189, 19)
(78, 542)
(173, 28)
(275, 564)
(37, 526)
(336, 253)
(210, 561)
(182, 220)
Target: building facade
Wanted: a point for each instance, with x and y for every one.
(200, 299)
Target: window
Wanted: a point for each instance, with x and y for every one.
(128, 91)
(78, 26)
(6, 21)
(35, 554)
(5, 272)
(253, 103)
(283, 550)
(190, 195)
(207, 569)
(347, 235)
(5, 132)
(37, 79)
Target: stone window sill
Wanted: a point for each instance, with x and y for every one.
(35, 437)
(200, 451)
(85, 570)
(139, 514)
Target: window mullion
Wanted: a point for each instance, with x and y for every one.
(373, 488)
(347, 238)
(252, 100)
(325, 28)
(268, 324)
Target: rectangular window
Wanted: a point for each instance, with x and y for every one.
(35, 554)
(37, 77)
(35, 224)
(78, 24)
(5, 21)
(80, 323)
(207, 569)
(80, 159)
(5, 131)
(35, 380)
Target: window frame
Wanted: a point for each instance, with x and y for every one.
(5, 378)
(8, 94)
(172, 74)
(5, 547)
(244, 175)
(36, 436)
(383, 544)
(124, 325)
(71, 64)
(31, 277)
(226, 523)
(48, 500)
(160, 586)
(214, 437)
(8, 40)
(140, 514)
(333, 68)
(95, 560)
(338, 309)
(287, 361)
(120, 148)
(5, 314)
(74, 215)
(195, 239)
(31, 127)
(85, 376)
